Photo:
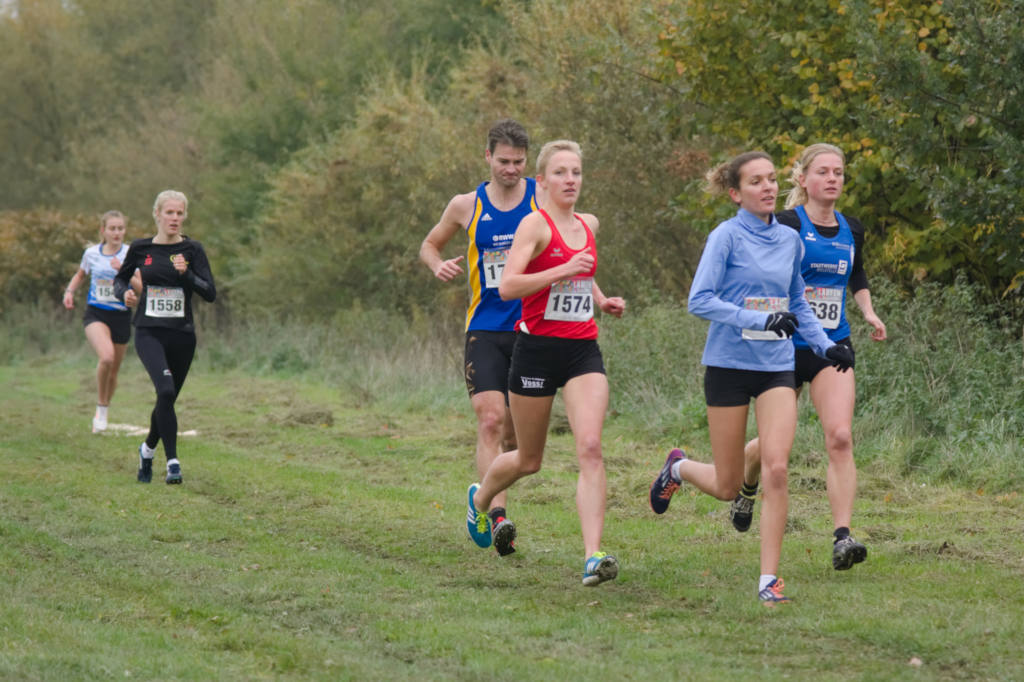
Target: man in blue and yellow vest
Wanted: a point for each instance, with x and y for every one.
(489, 215)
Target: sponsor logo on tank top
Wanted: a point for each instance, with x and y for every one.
(486, 216)
(809, 237)
(502, 237)
(557, 252)
(837, 268)
(532, 382)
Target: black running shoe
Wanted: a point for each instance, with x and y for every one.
(503, 535)
(145, 474)
(741, 512)
(173, 472)
(847, 552)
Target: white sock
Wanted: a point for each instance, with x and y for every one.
(147, 452)
(766, 580)
(172, 461)
(101, 411)
(674, 470)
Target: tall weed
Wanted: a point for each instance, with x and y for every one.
(39, 329)
(948, 383)
(373, 356)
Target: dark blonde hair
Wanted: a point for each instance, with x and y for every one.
(164, 197)
(726, 176)
(105, 218)
(798, 195)
(549, 149)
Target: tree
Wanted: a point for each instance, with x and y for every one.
(77, 72)
(910, 90)
(368, 195)
(965, 137)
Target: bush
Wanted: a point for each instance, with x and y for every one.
(346, 218)
(39, 251)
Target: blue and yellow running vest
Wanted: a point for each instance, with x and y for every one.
(490, 233)
(826, 268)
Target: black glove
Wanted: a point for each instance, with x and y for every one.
(783, 324)
(841, 356)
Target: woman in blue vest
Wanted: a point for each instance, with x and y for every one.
(833, 260)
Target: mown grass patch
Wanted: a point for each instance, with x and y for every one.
(301, 547)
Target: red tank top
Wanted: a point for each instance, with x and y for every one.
(565, 308)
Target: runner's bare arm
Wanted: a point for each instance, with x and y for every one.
(69, 291)
(592, 222)
(613, 305)
(456, 217)
(863, 299)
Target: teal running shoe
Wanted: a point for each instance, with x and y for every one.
(599, 568)
(477, 522)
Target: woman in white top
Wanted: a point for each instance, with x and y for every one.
(107, 321)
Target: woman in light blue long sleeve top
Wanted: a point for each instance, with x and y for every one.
(748, 284)
(750, 269)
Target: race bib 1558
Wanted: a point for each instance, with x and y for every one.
(165, 301)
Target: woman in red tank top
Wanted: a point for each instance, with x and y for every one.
(551, 266)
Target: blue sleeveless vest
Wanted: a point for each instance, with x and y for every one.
(490, 233)
(826, 268)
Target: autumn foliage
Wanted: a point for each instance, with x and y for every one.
(924, 97)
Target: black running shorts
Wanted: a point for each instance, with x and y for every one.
(543, 364)
(725, 387)
(488, 358)
(119, 322)
(808, 364)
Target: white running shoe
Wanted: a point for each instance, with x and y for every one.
(99, 423)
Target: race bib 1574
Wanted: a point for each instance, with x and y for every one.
(571, 300)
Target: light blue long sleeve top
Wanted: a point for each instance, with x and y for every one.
(748, 270)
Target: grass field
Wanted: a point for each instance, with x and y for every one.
(318, 538)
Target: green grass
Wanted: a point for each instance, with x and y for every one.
(319, 534)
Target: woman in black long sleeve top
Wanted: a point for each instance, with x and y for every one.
(173, 267)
